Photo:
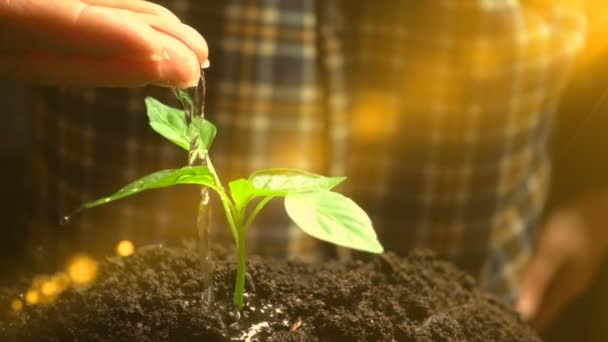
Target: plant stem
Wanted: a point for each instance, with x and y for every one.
(212, 169)
(236, 221)
(227, 203)
(229, 215)
(255, 213)
(241, 266)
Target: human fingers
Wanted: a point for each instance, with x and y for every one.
(98, 30)
(537, 279)
(557, 272)
(102, 71)
(151, 47)
(184, 33)
(137, 6)
(176, 66)
(179, 66)
(36, 25)
(554, 245)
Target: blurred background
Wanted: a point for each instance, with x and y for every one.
(14, 139)
(582, 121)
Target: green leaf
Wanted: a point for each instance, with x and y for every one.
(201, 133)
(187, 175)
(334, 218)
(280, 182)
(168, 122)
(171, 124)
(242, 191)
(208, 131)
(185, 98)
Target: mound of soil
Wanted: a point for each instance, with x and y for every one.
(156, 295)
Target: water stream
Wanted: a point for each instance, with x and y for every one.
(194, 105)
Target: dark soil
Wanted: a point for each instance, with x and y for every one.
(155, 295)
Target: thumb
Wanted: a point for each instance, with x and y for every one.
(536, 281)
(541, 271)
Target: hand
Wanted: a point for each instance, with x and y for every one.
(571, 247)
(113, 43)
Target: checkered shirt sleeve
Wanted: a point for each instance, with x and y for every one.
(439, 112)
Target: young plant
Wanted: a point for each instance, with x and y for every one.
(308, 198)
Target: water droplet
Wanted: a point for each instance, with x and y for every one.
(235, 315)
(64, 220)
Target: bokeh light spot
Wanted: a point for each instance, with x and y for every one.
(49, 288)
(125, 248)
(82, 270)
(32, 297)
(16, 305)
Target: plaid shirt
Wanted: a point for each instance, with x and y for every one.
(439, 112)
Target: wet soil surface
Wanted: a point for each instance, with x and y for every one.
(155, 295)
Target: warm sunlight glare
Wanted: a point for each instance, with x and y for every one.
(49, 288)
(371, 116)
(82, 270)
(125, 248)
(597, 41)
(32, 297)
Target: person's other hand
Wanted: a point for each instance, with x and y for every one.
(571, 247)
(113, 43)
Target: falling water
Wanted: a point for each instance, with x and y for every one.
(193, 101)
(66, 219)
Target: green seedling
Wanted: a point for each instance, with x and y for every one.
(308, 198)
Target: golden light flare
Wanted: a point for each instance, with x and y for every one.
(32, 297)
(597, 37)
(49, 288)
(125, 248)
(62, 281)
(370, 117)
(82, 270)
(16, 305)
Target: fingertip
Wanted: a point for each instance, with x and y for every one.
(198, 44)
(526, 306)
(182, 33)
(536, 277)
(181, 72)
(173, 75)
